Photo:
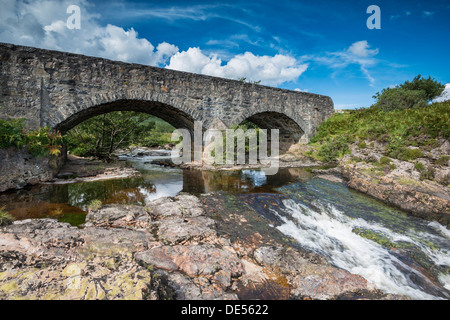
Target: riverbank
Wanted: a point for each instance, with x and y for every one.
(184, 247)
(419, 187)
(79, 169)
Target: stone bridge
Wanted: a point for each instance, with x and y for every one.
(62, 89)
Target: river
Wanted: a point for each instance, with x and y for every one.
(396, 252)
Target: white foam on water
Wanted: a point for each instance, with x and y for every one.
(330, 231)
(445, 280)
(440, 228)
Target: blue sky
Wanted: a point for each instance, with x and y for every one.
(321, 47)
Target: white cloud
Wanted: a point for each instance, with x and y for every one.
(42, 23)
(445, 95)
(361, 49)
(270, 70)
(359, 53)
(126, 46)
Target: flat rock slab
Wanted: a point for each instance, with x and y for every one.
(192, 260)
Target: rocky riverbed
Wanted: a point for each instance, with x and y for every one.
(419, 186)
(185, 247)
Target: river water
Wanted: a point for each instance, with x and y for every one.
(391, 249)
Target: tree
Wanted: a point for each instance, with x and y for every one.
(432, 89)
(399, 98)
(411, 94)
(101, 135)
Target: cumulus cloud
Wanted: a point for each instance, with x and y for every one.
(42, 23)
(270, 70)
(361, 49)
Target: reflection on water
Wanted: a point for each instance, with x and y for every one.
(68, 202)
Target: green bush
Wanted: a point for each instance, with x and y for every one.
(411, 94)
(429, 86)
(406, 154)
(44, 142)
(385, 160)
(39, 142)
(419, 166)
(442, 161)
(333, 148)
(427, 174)
(12, 133)
(399, 98)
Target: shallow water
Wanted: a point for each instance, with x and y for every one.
(397, 252)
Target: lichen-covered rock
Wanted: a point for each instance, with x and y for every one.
(130, 252)
(316, 281)
(425, 199)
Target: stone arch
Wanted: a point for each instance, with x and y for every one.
(174, 116)
(291, 131)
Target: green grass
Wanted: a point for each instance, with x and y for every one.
(398, 130)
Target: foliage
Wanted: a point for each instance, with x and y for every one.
(399, 98)
(384, 160)
(12, 133)
(419, 166)
(333, 148)
(44, 141)
(243, 79)
(431, 87)
(160, 135)
(40, 142)
(5, 218)
(428, 173)
(101, 135)
(442, 161)
(411, 94)
(244, 126)
(397, 129)
(94, 205)
(406, 154)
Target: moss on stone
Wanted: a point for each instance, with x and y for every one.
(374, 236)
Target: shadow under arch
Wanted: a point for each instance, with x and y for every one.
(170, 114)
(290, 131)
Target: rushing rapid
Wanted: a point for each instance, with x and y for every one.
(397, 253)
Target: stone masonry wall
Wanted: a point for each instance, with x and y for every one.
(62, 89)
